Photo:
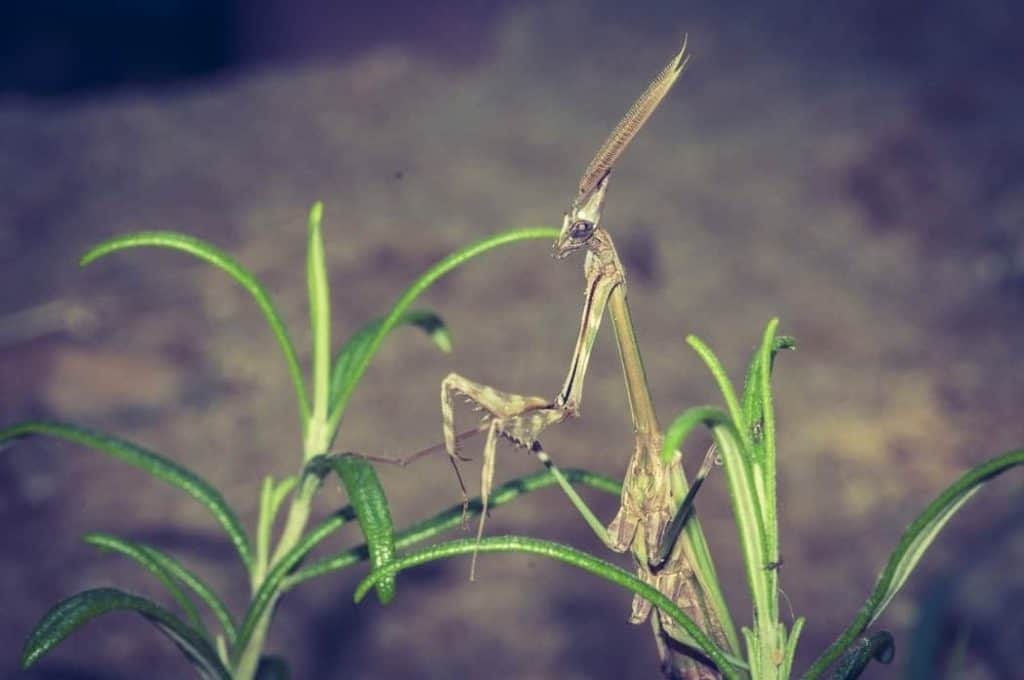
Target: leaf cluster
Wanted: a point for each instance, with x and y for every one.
(223, 645)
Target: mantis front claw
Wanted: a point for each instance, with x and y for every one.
(518, 418)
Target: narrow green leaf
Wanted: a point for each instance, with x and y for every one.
(431, 324)
(911, 548)
(685, 423)
(791, 641)
(319, 313)
(761, 418)
(453, 517)
(355, 349)
(153, 463)
(753, 646)
(264, 523)
(271, 497)
(170, 571)
(741, 488)
(281, 491)
(213, 255)
(761, 413)
(449, 263)
(561, 553)
(199, 587)
(270, 589)
(74, 612)
(749, 521)
(371, 505)
(222, 650)
(136, 552)
(752, 384)
(732, 404)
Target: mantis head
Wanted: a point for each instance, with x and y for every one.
(581, 219)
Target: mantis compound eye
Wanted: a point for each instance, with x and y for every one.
(581, 230)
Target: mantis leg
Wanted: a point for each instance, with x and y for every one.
(515, 417)
(408, 460)
(521, 419)
(602, 277)
(588, 515)
(680, 661)
(684, 512)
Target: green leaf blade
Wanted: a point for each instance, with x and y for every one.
(567, 555)
(453, 517)
(911, 548)
(76, 611)
(359, 344)
(156, 465)
(319, 314)
(199, 587)
(270, 589)
(211, 254)
(742, 491)
(456, 259)
(759, 409)
(685, 423)
(732, 404)
(923, 531)
(790, 653)
(367, 497)
(135, 552)
(753, 383)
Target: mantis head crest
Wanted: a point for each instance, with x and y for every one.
(580, 221)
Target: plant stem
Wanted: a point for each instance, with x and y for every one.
(295, 525)
(247, 664)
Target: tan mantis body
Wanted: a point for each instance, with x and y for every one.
(651, 494)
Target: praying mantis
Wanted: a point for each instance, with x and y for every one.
(652, 510)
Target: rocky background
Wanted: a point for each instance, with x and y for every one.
(857, 172)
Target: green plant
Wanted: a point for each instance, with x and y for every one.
(235, 649)
(744, 433)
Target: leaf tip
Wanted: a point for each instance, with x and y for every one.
(362, 589)
(316, 213)
(29, 656)
(88, 257)
(443, 339)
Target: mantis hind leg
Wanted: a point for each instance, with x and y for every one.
(680, 661)
(682, 515)
(588, 515)
(486, 483)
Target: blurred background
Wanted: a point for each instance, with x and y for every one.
(857, 171)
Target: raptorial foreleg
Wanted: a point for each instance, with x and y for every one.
(518, 418)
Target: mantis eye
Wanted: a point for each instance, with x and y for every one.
(581, 230)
